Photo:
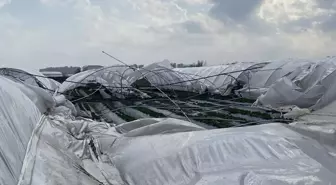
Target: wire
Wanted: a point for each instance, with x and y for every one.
(73, 101)
(174, 83)
(155, 87)
(142, 88)
(178, 105)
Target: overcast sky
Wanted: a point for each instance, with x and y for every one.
(40, 33)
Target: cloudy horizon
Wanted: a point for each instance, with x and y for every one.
(41, 33)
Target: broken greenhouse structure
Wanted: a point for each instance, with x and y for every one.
(118, 125)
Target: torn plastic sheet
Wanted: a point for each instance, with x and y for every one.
(163, 151)
(309, 86)
(284, 92)
(261, 80)
(274, 71)
(54, 161)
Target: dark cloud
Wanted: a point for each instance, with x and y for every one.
(234, 10)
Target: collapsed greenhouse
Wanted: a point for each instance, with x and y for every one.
(242, 123)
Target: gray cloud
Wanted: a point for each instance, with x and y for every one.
(193, 27)
(326, 4)
(240, 15)
(241, 12)
(234, 10)
(329, 24)
(300, 25)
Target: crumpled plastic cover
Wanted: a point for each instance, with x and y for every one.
(274, 71)
(309, 86)
(260, 155)
(51, 157)
(221, 83)
(30, 78)
(65, 150)
(115, 76)
(19, 115)
(163, 76)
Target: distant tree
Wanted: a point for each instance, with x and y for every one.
(180, 65)
(200, 63)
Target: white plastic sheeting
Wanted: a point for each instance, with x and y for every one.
(48, 82)
(271, 154)
(19, 114)
(265, 77)
(170, 151)
(63, 149)
(325, 114)
(163, 76)
(33, 79)
(236, 72)
(160, 75)
(113, 76)
(40, 97)
(310, 85)
(51, 157)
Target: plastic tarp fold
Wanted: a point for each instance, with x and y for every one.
(284, 92)
(271, 154)
(112, 76)
(269, 74)
(62, 150)
(51, 158)
(34, 79)
(274, 71)
(19, 115)
(149, 151)
(41, 98)
(308, 86)
(325, 114)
